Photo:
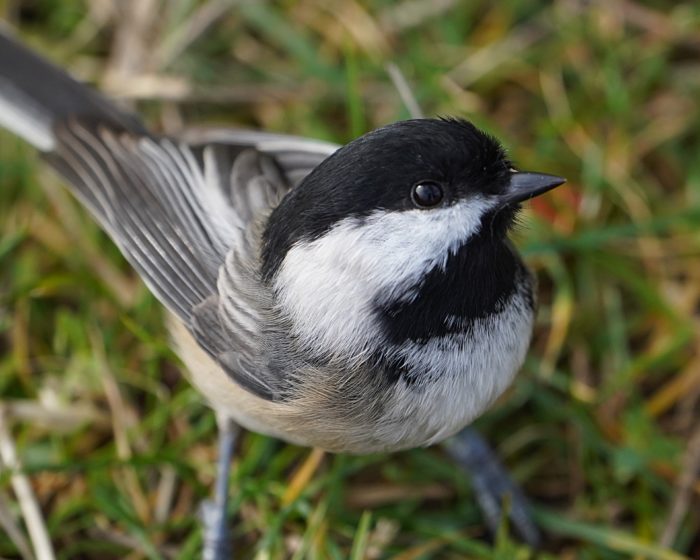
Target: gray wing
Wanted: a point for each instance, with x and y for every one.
(186, 214)
(296, 156)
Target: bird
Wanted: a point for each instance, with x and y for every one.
(359, 298)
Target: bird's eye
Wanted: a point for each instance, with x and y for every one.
(426, 194)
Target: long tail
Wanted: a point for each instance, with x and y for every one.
(35, 94)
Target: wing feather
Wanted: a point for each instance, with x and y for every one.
(187, 215)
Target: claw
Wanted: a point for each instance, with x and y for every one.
(493, 486)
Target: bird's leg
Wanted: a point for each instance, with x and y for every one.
(492, 484)
(216, 536)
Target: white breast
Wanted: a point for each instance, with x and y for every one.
(329, 287)
(463, 375)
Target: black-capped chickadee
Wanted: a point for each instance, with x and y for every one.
(358, 299)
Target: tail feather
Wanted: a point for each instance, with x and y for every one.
(35, 94)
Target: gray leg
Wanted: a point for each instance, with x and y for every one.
(216, 536)
(492, 484)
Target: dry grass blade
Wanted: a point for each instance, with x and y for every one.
(7, 522)
(31, 512)
(172, 88)
(372, 496)
(138, 551)
(177, 41)
(411, 13)
(123, 417)
(57, 417)
(132, 40)
(417, 552)
(689, 476)
(165, 494)
(484, 60)
(404, 90)
(302, 476)
(675, 389)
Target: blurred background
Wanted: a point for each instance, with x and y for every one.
(601, 428)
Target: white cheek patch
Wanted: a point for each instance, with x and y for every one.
(329, 287)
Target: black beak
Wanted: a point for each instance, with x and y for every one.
(524, 186)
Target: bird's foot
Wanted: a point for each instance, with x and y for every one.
(217, 542)
(493, 486)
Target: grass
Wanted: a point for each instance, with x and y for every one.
(601, 427)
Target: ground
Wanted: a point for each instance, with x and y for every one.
(601, 427)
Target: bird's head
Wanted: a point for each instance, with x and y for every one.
(373, 223)
(426, 185)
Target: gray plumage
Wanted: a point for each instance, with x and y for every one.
(175, 208)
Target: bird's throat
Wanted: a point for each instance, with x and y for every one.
(475, 282)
